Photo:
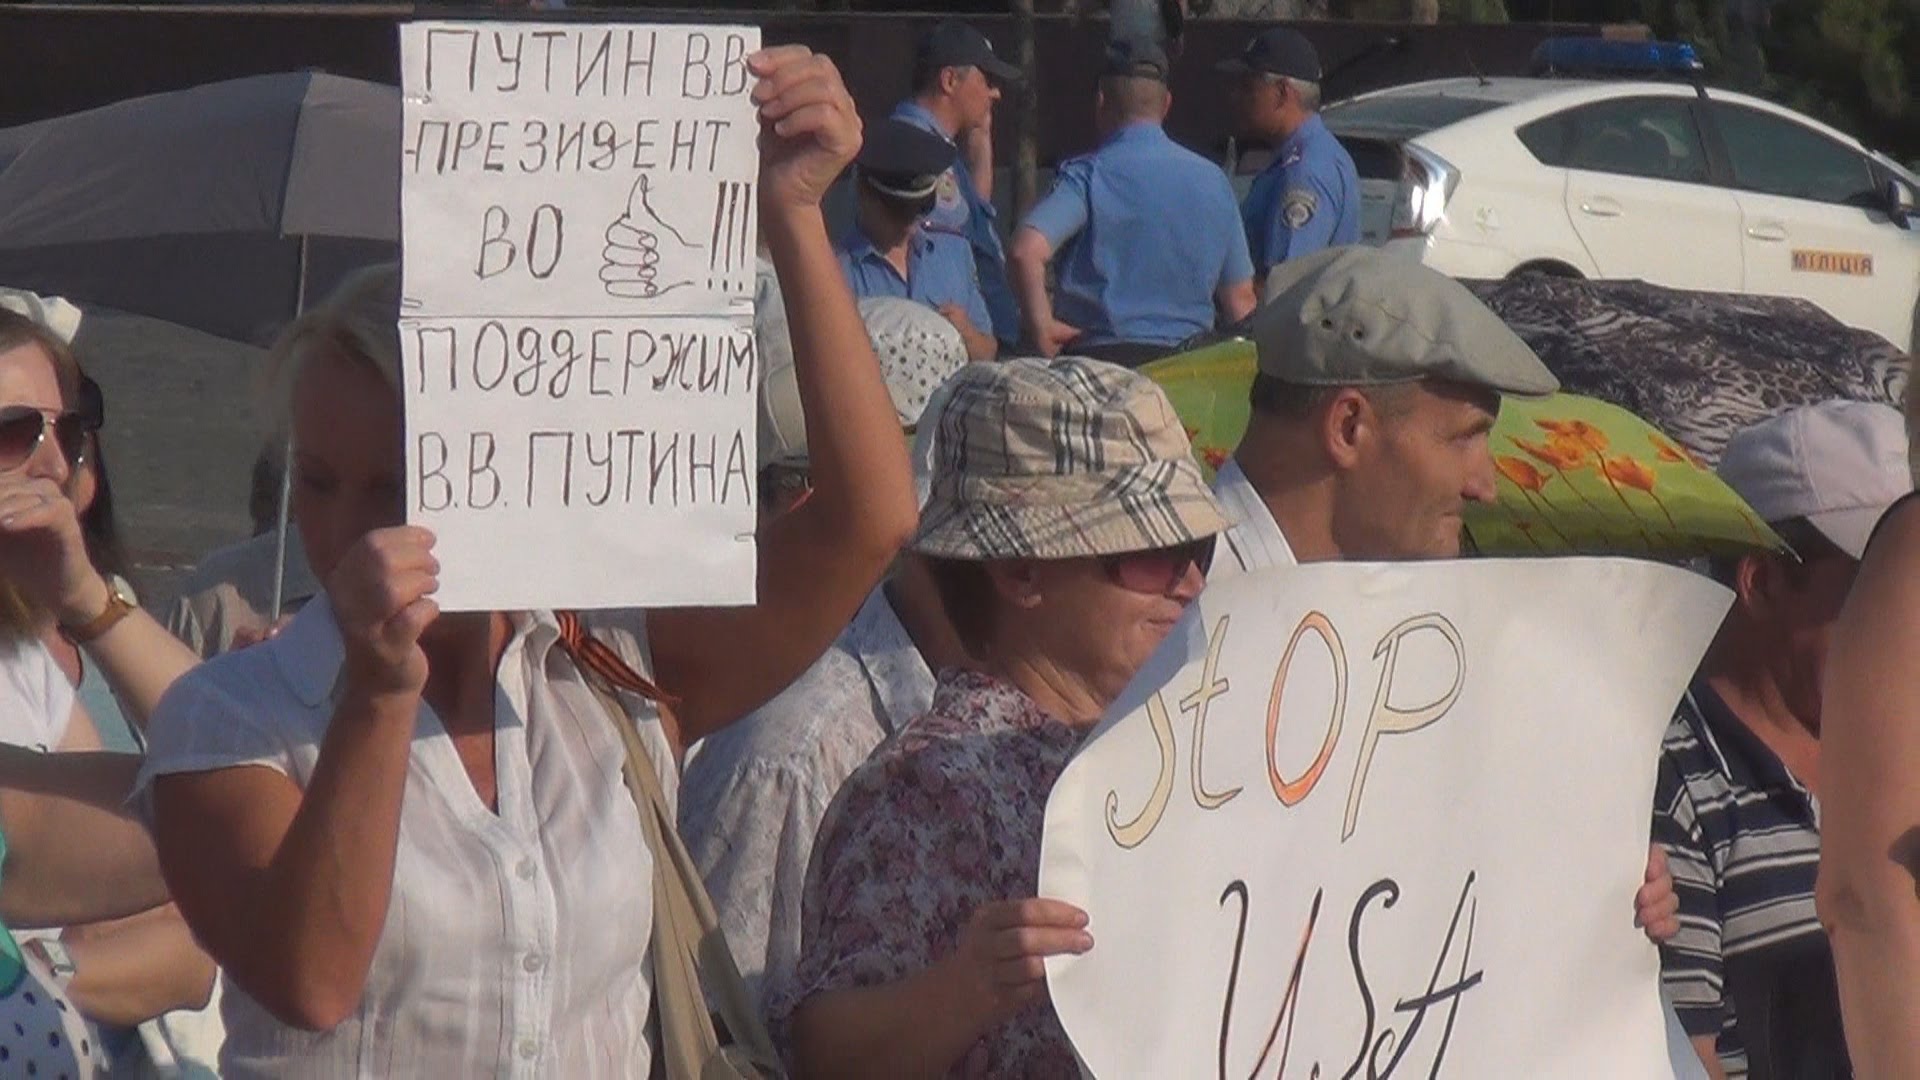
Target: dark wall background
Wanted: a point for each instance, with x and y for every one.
(65, 58)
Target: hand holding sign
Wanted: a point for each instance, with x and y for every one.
(999, 960)
(382, 598)
(1656, 907)
(809, 129)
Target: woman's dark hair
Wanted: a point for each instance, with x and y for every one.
(98, 525)
(966, 594)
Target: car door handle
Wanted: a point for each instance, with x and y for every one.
(1601, 207)
(1771, 231)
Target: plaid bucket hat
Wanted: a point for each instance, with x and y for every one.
(1058, 460)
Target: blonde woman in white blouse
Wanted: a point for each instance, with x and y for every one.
(404, 835)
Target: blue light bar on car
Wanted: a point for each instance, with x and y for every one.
(1597, 56)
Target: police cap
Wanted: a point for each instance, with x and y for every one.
(902, 160)
(1278, 51)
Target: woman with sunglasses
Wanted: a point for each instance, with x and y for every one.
(123, 972)
(72, 856)
(1067, 531)
(48, 579)
(405, 834)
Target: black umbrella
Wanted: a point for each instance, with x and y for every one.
(221, 208)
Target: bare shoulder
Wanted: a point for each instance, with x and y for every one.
(1890, 574)
(1899, 530)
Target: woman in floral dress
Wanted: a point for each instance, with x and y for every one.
(1068, 529)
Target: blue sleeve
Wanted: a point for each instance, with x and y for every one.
(1063, 213)
(847, 271)
(1302, 218)
(976, 306)
(1256, 221)
(1238, 266)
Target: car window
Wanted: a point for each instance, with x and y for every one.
(1653, 137)
(1775, 156)
(1403, 116)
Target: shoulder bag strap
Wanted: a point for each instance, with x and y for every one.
(693, 967)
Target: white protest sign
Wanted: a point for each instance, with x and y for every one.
(1362, 821)
(578, 228)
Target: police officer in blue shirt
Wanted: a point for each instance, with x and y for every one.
(1150, 248)
(957, 80)
(1308, 197)
(889, 252)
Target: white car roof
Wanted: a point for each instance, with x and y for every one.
(1540, 96)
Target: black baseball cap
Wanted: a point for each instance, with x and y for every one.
(952, 43)
(1135, 58)
(1277, 51)
(904, 161)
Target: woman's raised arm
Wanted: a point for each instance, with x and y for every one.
(819, 561)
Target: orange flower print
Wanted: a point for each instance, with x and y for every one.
(1559, 457)
(1576, 431)
(1521, 472)
(1624, 470)
(1530, 481)
(1671, 452)
(1627, 472)
(1555, 454)
(1214, 456)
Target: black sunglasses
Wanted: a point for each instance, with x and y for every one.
(1156, 571)
(23, 428)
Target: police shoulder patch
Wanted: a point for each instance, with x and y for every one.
(1297, 207)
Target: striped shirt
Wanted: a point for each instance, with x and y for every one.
(1743, 842)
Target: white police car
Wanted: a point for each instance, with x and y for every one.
(1664, 181)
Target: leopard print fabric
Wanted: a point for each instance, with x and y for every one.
(1699, 366)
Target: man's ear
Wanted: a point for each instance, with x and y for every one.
(1347, 426)
(1757, 584)
(1166, 105)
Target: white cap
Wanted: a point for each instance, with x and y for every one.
(783, 428)
(53, 312)
(1838, 464)
(917, 347)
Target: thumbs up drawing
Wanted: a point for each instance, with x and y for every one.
(630, 265)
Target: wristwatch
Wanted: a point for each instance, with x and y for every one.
(54, 954)
(120, 604)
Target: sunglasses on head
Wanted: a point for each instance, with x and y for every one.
(23, 428)
(1156, 571)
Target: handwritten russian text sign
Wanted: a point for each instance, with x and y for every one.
(1363, 821)
(578, 225)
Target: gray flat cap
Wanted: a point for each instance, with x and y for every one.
(1356, 316)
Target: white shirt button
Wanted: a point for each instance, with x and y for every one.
(526, 869)
(534, 962)
(529, 1049)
